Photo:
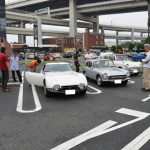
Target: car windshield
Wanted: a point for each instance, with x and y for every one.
(122, 58)
(142, 53)
(57, 68)
(103, 63)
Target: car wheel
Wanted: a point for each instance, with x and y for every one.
(124, 82)
(136, 74)
(46, 92)
(83, 92)
(99, 81)
(84, 72)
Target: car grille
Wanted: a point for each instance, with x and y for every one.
(135, 68)
(117, 77)
(69, 87)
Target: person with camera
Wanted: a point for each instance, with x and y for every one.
(146, 73)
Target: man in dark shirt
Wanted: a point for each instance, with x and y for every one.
(76, 61)
(4, 65)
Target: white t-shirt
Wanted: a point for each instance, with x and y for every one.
(90, 56)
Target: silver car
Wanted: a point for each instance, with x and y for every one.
(104, 71)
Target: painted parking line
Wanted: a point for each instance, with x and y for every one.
(20, 99)
(92, 93)
(95, 133)
(139, 141)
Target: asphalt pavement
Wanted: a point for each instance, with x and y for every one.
(112, 117)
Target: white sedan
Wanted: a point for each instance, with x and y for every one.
(58, 78)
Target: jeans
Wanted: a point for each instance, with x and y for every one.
(0, 77)
(19, 75)
(5, 78)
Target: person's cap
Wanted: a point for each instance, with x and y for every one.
(15, 52)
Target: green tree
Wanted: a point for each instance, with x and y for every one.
(113, 48)
(131, 46)
(119, 47)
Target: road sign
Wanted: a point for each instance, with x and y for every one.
(42, 10)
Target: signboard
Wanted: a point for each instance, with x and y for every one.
(42, 10)
(71, 50)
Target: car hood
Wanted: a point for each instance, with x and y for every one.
(65, 78)
(112, 71)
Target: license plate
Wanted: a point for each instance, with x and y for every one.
(135, 71)
(118, 81)
(70, 92)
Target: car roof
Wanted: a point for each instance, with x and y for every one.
(56, 63)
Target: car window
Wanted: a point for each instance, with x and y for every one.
(57, 68)
(105, 57)
(103, 63)
(112, 57)
(90, 64)
(87, 64)
(122, 58)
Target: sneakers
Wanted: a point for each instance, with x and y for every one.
(6, 90)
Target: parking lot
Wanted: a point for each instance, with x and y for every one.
(112, 117)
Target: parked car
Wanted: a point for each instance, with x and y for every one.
(139, 57)
(131, 54)
(22, 56)
(58, 78)
(57, 55)
(122, 61)
(67, 55)
(104, 71)
(42, 55)
(95, 55)
(31, 55)
(107, 51)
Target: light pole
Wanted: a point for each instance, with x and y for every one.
(35, 30)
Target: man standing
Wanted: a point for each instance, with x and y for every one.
(89, 56)
(76, 61)
(15, 67)
(146, 73)
(4, 65)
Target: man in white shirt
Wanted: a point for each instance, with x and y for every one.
(146, 73)
(89, 56)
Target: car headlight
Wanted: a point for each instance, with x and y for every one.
(81, 86)
(56, 87)
(105, 76)
(128, 74)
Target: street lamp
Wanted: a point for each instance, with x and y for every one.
(35, 30)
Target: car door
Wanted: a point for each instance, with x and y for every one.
(90, 68)
(35, 78)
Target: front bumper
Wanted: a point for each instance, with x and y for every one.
(135, 70)
(61, 90)
(113, 80)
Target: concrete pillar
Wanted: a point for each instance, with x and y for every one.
(132, 35)
(72, 18)
(22, 38)
(96, 25)
(102, 30)
(39, 26)
(117, 41)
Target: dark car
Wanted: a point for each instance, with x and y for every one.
(21, 56)
(67, 55)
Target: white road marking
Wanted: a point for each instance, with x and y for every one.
(84, 137)
(71, 143)
(139, 141)
(146, 99)
(97, 90)
(20, 99)
(130, 81)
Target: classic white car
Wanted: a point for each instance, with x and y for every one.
(122, 61)
(58, 78)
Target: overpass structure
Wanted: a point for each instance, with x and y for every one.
(84, 10)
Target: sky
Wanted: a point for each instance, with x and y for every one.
(138, 19)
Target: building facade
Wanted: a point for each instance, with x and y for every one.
(89, 41)
(64, 42)
(81, 42)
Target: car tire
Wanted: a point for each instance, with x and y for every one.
(83, 92)
(46, 92)
(84, 72)
(136, 74)
(124, 82)
(99, 81)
